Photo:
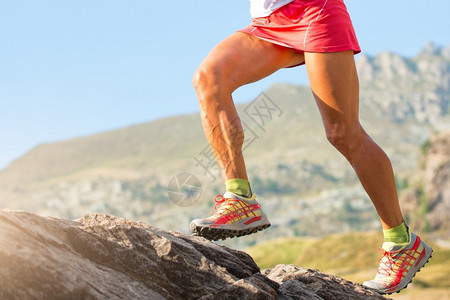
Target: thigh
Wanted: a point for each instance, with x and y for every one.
(334, 82)
(243, 58)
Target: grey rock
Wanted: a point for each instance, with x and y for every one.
(427, 201)
(107, 257)
(299, 283)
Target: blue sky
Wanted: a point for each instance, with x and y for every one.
(74, 68)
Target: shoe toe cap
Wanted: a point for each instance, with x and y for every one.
(198, 222)
(371, 284)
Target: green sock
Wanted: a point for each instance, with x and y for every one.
(397, 235)
(238, 186)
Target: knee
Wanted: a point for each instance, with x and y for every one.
(345, 139)
(200, 78)
(208, 80)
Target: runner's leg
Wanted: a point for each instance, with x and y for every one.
(238, 60)
(335, 86)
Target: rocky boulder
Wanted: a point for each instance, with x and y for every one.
(427, 201)
(106, 257)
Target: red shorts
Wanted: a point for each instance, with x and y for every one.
(308, 26)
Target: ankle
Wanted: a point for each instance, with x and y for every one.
(238, 186)
(398, 234)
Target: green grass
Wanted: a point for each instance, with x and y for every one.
(343, 253)
(280, 251)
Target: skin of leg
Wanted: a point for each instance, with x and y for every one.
(238, 60)
(334, 82)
